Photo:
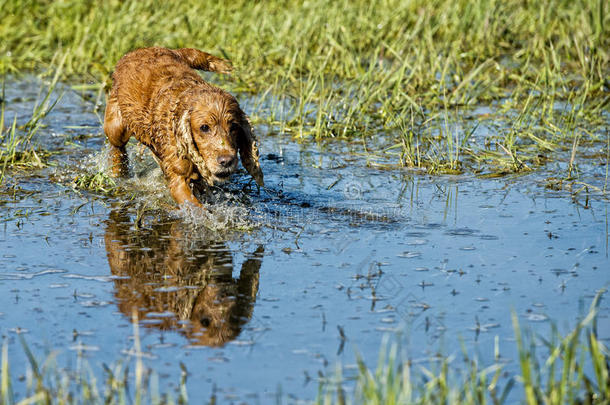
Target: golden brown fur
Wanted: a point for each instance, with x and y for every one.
(176, 283)
(193, 128)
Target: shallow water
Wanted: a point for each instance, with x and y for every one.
(254, 298)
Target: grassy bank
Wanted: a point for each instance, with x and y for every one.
(407, 70)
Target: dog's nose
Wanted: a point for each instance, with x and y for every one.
(225, 160)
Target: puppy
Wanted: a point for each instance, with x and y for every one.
(193, 128)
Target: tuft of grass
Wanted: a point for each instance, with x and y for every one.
(565, 367)
(17, 149)
(47, 383)
(98, 182)
(576, 370)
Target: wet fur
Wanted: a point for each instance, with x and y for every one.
(194, 129)
(193, 280)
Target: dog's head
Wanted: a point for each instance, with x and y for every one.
(212, 130)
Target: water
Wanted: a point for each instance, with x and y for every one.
(274, 287)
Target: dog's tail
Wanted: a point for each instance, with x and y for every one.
(203, 61)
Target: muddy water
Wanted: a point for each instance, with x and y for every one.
(275, 286)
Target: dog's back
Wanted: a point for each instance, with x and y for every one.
(141, 75)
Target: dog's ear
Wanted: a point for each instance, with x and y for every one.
(183, 135)
(248, 150)
(186, 148)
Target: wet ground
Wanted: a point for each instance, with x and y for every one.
(274, 287)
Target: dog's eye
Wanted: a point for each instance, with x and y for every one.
(205, 128)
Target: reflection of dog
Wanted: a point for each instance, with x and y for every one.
(193, 128)
(173, 286)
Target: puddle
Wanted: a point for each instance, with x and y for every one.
(274, 286)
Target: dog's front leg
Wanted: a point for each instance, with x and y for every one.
(181, 191)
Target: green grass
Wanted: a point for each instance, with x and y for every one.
(406, 70)
(18, 150)
(126, 382)
(99, 182)
(575, 369)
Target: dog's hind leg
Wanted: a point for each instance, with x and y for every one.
(117, 135)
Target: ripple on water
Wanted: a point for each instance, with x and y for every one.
(409, 255)
(461, 232)
(533, 317)
(417, 242)
(29, 276)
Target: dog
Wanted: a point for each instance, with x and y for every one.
(193, 128)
